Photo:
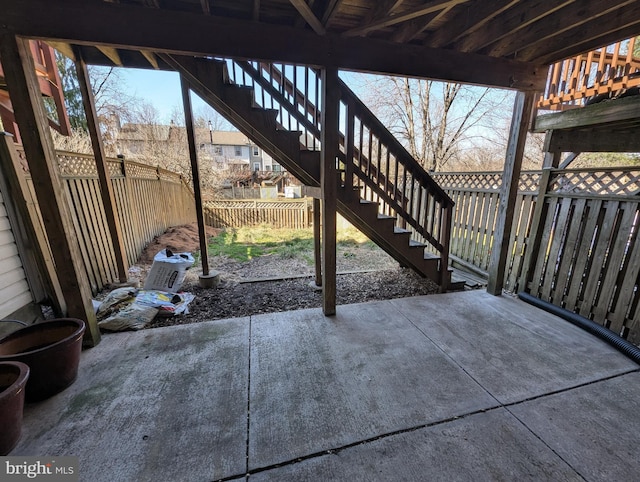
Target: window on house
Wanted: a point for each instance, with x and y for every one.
(256, 166)
(217, 150)
(238, 151)
(256, 151)
(277, 167)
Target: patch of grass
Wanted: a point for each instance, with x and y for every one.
(227, 244)
(243, 244)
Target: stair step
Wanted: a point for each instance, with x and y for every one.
(238, 103)
(239, 95)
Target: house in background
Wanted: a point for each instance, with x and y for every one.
(224, 149)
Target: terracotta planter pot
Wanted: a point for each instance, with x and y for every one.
(52, 351)
(13, 378)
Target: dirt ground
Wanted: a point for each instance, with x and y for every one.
(248, 288)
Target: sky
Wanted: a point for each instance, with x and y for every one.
(159, 88)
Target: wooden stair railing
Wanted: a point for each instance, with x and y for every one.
(383, 189)
(606, 71)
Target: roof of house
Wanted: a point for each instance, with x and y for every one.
(131, 132)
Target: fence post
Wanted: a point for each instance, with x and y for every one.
(532, 245)
(522, 109)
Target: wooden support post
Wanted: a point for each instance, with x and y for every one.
(317, 254)
(32, 247)
(551, 161)
(522, 109)
(52, 199)
(106, 188)
(195, 174)
(329, 185)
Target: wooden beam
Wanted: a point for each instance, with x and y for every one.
(572, 156)
(305, 11)
(570, 47)
(380, 10)
(618, 110)
(195, 174)
(317, 245)
(329, 185)
(104, 177)
(596, 140)
(64, 48)
(151, 58)
(427, 8)
(33, 246)
(206, 9)
(200, 35)
(255, 14)
(419, 25)
(474, 16)
(332, 7)
(508, 23)
(522, 108)
(111, 54)
(52, 199)
(591, 14)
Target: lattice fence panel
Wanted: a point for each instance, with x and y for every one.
(620, 182)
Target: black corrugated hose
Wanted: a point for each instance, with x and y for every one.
(592, 327)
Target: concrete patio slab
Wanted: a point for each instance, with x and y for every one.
(462, 386)
(482, 447)
(512, 349)
(319, 383)
(594, 428)
(162, 404)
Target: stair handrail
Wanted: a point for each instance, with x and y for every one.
(410, 202)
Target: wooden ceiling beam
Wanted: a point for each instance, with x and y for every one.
(417, 26)
(595, 14)
(305, 11)
(508, 23)
(332, 8)
(255, 13)
(134, 27)
(151, 58)
(620, 28)
(381, 10)
(471, 17)
(427, 8)
(111, 53)
(64, 48)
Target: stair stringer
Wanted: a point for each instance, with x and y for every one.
(207, 78)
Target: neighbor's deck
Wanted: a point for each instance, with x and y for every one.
(460, 386)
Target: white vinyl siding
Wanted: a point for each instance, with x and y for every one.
(14, 290)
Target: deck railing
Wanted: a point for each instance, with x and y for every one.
(371, 159)
(604, 71)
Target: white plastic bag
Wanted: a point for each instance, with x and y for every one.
(168, 271)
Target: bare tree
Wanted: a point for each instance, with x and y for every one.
(436, 120)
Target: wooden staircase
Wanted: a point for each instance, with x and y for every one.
(382, 190)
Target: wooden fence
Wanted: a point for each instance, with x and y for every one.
(148, 201)
(586, 259)
(280, 213)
